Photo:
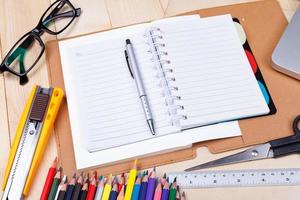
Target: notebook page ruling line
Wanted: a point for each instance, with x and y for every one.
(160, 116)
(71, 90)
(162, 144)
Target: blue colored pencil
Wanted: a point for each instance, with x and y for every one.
(143, 189)
(114, 192)
(136, 188)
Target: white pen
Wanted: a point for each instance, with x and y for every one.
(136, 75)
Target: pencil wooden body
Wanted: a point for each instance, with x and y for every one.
(70, 191)
(107, 189)
(83, 195)
(60, 186)
(76, 192)
(131, 181)
(143, 191)
(77, 189)
(158, 192)
(91, 192)
(61, 195)
(54, 188)
(151, 185)
(136, 191)
(49, 181)
(165, 194)
(62, 192)
(121, 193)
(113, 195)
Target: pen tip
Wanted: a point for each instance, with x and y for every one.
(151, 126)
(128, 41)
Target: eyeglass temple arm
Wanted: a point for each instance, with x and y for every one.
(62, 15)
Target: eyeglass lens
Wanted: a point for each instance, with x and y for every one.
(61, 13)
(25, 54)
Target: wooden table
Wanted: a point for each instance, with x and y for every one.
(17, 17)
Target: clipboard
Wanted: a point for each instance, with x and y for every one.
(263, 22)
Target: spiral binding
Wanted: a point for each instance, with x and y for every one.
(165, 74)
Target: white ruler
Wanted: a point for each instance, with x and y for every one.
(236, 178)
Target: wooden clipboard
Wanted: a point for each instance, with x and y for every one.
(264, 22)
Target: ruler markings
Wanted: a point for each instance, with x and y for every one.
(237, 178)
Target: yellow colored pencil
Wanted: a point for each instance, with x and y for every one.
(131, 181)
(107, 188)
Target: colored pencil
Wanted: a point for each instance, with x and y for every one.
(173, 190)
(144, 185)
(183, 196)
(107, 188)
(100, 187)
(114, 192)
(163, 180)
(64, 180)
(158, 192)
(121, 182)
(55, 184)
(70, 188)
(121, 193)
(136, 188)
(77, 189)
(49, 180)
(92, 187)
(165, 192)
(62, 192)
(84, 189)
(131, 181)
(151, 185)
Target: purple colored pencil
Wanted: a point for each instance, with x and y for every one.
(165, 192)
(151, 185)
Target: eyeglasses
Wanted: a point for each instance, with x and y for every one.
(27, 51)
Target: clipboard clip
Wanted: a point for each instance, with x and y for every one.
(128, 65)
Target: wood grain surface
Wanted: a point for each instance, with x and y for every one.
(17, 17)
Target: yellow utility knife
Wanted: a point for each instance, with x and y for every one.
(30, 141)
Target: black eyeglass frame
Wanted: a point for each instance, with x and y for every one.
(37, 32)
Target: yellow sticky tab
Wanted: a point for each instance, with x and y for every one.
(53, 108)
(17, 138)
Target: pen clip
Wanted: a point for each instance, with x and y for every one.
(127, 61)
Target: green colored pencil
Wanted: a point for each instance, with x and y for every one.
(55, 184)
(173, 190)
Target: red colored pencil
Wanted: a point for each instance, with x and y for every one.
(92, 188)
(49, 180)
(121, 182)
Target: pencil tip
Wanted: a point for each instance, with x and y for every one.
(175, 179)
(183, 194)
(165, 175)
(55, 162)
(59, 169)
(135, 163)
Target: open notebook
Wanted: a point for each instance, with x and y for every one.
(194, 70)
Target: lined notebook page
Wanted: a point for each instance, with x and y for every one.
(213, 75)
(102, 97)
